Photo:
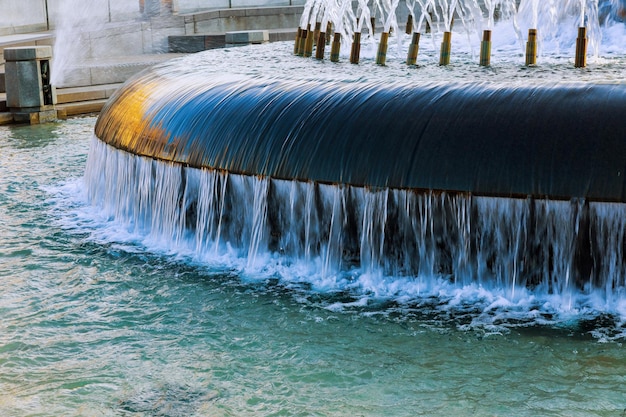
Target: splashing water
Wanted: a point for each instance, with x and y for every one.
(450, 254)
(70, 38)
(507, 256)
(555, 20)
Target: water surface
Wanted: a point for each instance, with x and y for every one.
(94, 323)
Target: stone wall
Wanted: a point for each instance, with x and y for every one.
(23, 16)
(189, 6)
(226, 20)
(84, 33)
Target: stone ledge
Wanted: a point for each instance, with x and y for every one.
(34, 117)
(77, 94)
(283, 35)
(233, 13)
(269, 11)
(242, 12)
(198, 43)
(244, 37)
(6, 118)
(18, 39)
(27, 53)
(202, 16)
(83, 107)
(195, 43)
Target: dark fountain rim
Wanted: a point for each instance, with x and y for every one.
(555, 141)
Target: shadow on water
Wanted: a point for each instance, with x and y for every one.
(167, 400)
(429, 311)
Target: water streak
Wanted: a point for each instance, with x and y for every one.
(564, 248)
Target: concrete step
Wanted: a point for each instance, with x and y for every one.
(24, 39)
(103, 77)
(77, 100)
(62, 111)
(281, 35)
(80, 107)
(201, 42)
(6, 118)
(88, 93)
(111, 70)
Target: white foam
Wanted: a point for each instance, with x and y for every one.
(110, 207)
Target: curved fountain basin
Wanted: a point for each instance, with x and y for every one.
(545, 141)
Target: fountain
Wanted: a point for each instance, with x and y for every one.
(504, 177)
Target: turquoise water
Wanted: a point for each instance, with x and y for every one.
(94, 324)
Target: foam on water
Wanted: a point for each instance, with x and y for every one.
(337, 243)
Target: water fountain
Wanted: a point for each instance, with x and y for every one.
(505, 178)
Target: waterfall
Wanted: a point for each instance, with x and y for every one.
(548, 246)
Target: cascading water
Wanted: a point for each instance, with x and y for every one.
(554, 247)
(492, 192)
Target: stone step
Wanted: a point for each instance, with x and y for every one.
(61, 111)
(76, 100)
(244, 37)
(6, 118)
(89, 93)
(282, 35)
(111, 70)
(201, 42)
(81, 107)
(24, 39)
(189, 44)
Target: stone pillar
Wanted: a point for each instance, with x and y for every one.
(30, 97)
